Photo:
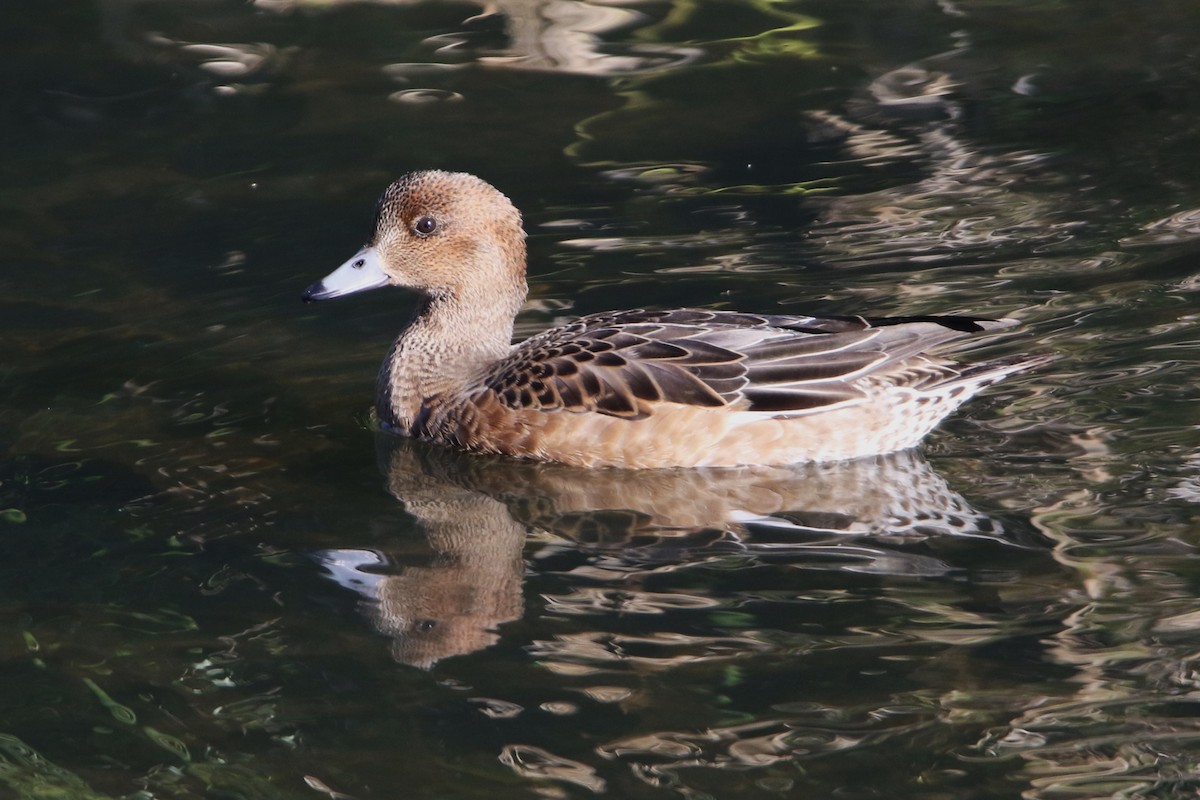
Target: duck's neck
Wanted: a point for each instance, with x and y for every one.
(450, 342)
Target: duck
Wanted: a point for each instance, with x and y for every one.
(636, 389)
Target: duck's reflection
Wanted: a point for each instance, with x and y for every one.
(872, 515)
(452, 602)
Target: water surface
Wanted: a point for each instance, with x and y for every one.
(218, 581)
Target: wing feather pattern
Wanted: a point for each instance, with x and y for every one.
(623, 363)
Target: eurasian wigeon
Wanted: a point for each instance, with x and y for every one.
(636, 389)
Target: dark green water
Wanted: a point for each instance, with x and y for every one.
(216, 583)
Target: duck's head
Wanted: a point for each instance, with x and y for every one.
(446, 234)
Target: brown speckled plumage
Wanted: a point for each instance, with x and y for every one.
(682, 387)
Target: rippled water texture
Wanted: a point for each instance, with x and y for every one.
(217, 581)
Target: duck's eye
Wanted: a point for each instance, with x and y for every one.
(424, 226)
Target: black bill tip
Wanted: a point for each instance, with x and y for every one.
(316, 292)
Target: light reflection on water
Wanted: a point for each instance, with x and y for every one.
(209, 590)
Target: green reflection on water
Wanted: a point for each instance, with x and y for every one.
(120, 713)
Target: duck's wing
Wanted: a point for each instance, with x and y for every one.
(625, 363)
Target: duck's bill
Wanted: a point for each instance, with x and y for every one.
(363, 271)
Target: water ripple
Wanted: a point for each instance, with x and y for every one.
(1183, 226)
(593, 651)
(422, 97)
(538, 763)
